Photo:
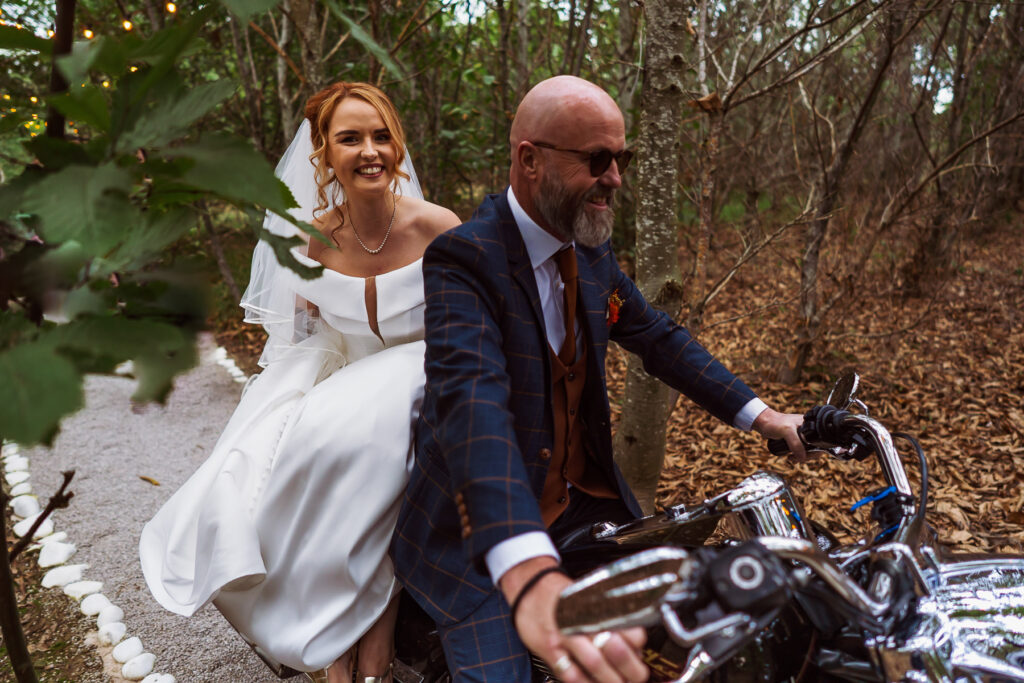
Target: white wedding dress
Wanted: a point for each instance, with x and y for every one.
(286, 526)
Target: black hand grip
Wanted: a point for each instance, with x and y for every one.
(778, 447)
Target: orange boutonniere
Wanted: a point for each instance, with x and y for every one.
(614, 306)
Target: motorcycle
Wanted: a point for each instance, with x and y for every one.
(781, 600)
(744, 587)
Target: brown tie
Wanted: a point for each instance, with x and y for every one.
(566, 260)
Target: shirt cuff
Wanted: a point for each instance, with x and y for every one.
(745, 418)
(512, 551)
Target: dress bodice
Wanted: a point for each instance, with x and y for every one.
(341, 300)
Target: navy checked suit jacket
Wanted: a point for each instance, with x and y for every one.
(486, 415)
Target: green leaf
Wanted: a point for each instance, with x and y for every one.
(173, 114)
(282, 247)
(14, 328)
(244, 9)
(11, 121)
(55, 154)
(13, 38)
(232, 169)
(92, 208)
(75, 66)
(86, 105)
(158, 350)
(166, 46)
(149, 238)
(37, 389)
(366, 40)
(12, 193)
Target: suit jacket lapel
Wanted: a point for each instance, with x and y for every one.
(518, 258)
(594, 297)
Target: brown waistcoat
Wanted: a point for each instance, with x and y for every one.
(569, 461)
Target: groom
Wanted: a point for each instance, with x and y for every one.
(513, 447)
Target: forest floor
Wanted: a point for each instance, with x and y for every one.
(947, 368)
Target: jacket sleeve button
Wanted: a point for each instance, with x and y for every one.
(545, 454)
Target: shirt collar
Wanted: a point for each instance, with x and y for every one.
(540, 244)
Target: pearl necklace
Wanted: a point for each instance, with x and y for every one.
(394, 208)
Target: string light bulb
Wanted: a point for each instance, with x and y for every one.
(133, 69)
(171, 7)
(106, 84)
(88, 33)
(127, 25)
(33, 99)
(50, 33)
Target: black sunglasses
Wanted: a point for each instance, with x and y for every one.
(599, 160)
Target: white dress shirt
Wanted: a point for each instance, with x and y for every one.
(540, 247)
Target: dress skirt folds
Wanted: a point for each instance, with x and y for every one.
(286, 526)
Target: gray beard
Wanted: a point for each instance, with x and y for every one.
(570, 219)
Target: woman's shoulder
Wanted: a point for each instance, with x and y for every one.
(431, 219)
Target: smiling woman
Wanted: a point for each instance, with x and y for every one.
(286, 527)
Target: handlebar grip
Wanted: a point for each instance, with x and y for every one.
(778, 447)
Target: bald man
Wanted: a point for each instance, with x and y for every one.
(513, 445)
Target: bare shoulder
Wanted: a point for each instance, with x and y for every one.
(324, 223)
(430, 219)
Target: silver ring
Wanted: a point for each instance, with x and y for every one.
(563, 664)
(601, 639)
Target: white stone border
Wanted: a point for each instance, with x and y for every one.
(55, 551)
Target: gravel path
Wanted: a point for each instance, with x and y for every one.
(111, 445)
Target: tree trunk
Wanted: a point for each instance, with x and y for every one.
(218, 253)
(640, 438)
(249, 82)
(825, 198)
(10, 621)
(61, 46)
(284, 95)
(523, 63)
(709, 151)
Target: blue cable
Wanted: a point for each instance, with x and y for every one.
(888, 531)
(871, 499)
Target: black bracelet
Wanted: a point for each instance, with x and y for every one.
(534, 580)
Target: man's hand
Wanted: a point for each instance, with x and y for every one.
(775, 425)
(574, 659)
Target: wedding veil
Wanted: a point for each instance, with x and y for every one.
(274, 298)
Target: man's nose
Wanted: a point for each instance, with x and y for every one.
(610, 177)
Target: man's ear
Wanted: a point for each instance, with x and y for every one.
(527, 159)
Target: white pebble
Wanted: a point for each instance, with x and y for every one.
(111, 634)
(62, 576)
(125, 369)
(21, 489)
(25, 506)
(53, 538)
(53, 554)
(94, 604)
(159, 678)
(22, 527)
(137, 667)
(127, 649)
(80, 589)
(109, 615)
(16, 477)
(16, 463)
(10, 449)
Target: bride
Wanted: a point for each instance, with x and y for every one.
(285, 528)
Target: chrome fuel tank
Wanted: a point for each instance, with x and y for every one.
(970, 628)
